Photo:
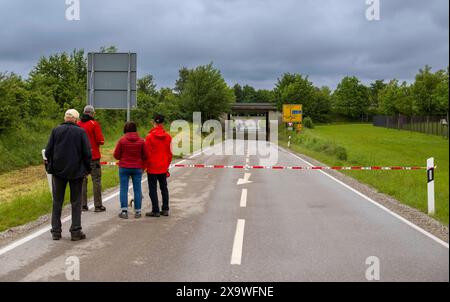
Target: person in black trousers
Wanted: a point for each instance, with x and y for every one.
(158, 145)
(68, 154)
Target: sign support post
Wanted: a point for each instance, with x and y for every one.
(91, 84)
(129, 89)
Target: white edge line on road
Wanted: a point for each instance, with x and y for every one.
(46, 229)
(236, 254)
(197, 154)
(244, 198)
(417, 228)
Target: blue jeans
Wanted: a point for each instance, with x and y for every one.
(136, 177)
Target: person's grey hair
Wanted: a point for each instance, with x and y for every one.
(89, 110)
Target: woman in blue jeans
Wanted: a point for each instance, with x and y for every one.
(130, 151)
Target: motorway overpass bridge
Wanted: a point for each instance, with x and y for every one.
(267, 110)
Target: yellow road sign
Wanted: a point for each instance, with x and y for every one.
(292, 113)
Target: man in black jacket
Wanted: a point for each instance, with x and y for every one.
(69, 154)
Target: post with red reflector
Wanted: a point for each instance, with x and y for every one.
(430, 179)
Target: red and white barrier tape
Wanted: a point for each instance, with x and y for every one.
(297, 167)
(354, 168)
(106, 163)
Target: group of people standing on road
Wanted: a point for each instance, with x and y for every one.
(73, 153)
(153, 155)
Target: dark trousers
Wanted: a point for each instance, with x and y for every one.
(96, 175)
(153, 180)
(59, 190)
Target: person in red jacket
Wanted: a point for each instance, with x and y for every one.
(159, 156)
(130, 151)
(96, 139)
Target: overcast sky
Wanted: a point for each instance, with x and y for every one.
(251, 41)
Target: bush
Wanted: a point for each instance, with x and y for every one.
(308, 123)
(341, 153)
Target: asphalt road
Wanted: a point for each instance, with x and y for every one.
(280, 225)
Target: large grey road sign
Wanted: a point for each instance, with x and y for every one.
(112, 80)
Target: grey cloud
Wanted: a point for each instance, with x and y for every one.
(251, 41)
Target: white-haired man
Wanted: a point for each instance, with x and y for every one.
(68, 154)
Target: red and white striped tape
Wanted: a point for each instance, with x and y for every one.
(297, 167)
(354, 168)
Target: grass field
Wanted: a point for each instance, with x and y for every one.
(365, 145)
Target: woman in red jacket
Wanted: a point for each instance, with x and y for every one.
(131, 153)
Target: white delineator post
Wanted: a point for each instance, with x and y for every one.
(289, 142)
(49, 176)
(430, 179)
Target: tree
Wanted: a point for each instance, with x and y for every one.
(146, 85)
(396, 99)
(146, 98)
(249, 94)
(183, 74)
(388, 97)
(79, 62)
(64, 75)
(109, 49)
(265, 96)
(168, 104)
(374, 91)
(12, 100)
(440, 94)
(321, 107)
(293, 89)
(238, 93)
(424, 87)
(204, 89)
(351, 99)
(405, 103)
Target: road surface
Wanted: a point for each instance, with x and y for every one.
(268, 225)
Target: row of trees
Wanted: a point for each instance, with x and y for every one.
(352, 100)
(201, 89)
(248, 94)
(58, 82)
(428, 95)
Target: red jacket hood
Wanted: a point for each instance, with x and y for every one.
(159, 153)
(132, 136)
(158, 132)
